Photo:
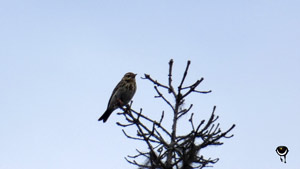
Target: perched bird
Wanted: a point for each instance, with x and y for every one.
(121, 95)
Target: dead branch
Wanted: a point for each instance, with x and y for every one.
(167, 150)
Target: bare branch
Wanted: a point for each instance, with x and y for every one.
(161, 95)
(184, 111)
(155, 81)
(171, 89)
(166, 149)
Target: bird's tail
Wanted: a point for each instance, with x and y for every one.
(105, 115)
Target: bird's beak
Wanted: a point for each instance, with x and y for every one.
(135, 75)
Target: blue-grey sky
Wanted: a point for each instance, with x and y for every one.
(60, 60)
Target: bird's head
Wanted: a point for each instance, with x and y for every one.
(129, 77)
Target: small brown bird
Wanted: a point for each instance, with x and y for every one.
(121, 95)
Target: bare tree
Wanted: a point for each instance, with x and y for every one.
(167, 149)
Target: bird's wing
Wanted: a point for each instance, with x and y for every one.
(114, 92)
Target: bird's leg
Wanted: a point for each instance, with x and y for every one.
(127, 107)
(127, 110)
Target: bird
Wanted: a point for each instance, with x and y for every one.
(121, 95)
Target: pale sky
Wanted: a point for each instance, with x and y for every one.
(60, 60)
